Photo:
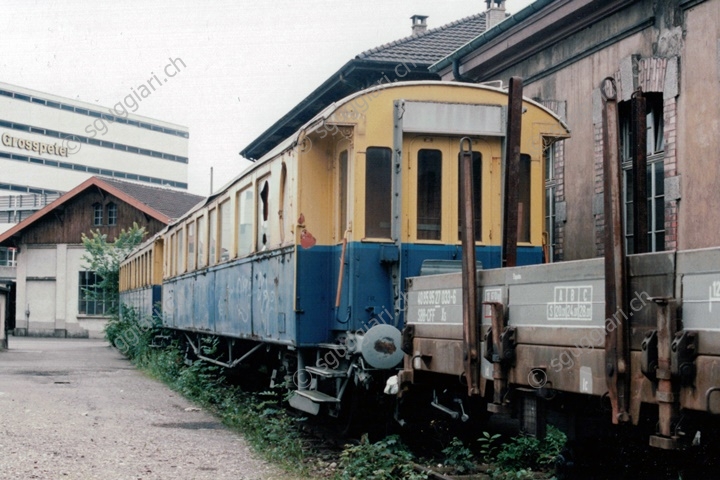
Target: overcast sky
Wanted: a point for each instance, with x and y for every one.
(246, 63)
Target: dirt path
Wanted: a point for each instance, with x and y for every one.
(77, 409)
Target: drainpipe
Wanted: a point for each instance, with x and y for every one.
(459, 77)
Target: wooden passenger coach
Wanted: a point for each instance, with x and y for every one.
(309, 248)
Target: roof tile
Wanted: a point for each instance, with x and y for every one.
(430, 46)
(172, 203)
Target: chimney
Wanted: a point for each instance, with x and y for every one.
(419, 24)
(495, 12)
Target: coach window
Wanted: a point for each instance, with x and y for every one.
(225, 231)
(283, 201)
(244, 221)
(524, 199)
(263, 210)
(191, 235)
(343, 193)
(213, 236)
(429, 194)
(378, 192)
(180, 252)
(201, 240)
(169, 263)
(171, 255)
(477, 194)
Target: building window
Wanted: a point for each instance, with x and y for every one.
(98, 214)
(7, 257)
(378, 192)
(655, 173)
(550, 188)
(111, 214)
(92, 299)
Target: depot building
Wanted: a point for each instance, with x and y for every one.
(50, 144)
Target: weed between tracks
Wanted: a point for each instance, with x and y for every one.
(277, 435)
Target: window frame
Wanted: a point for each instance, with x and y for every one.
(262, 208)
(655, 154)
(477, 194)
(422, 194)
(191, 261)
(98, 214)
(103, 306)
(369, 235)
(242, 208)
(225, 232)
(112, 213)
(551, 184)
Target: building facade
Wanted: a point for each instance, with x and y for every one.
(666, 49)
(51, 144)
(52, 278)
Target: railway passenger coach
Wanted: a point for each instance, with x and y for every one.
(304, 255)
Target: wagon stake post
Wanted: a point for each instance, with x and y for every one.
(617, 340)
(667, 394)
(469, 274)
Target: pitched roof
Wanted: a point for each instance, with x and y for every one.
(377, 65)
(429, 47)
(171, 203)
(159, 203)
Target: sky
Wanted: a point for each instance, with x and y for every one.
(240, 65)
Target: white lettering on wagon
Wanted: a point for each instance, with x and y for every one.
(714, 295)
(491, 295)
(436, 306)
(571, 303)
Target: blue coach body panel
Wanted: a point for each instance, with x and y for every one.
(272, 287)
(257, 297)
(246, 298)
(366, 297)
(234, 301)
(202, 297)
(314, 293)
(146, 300)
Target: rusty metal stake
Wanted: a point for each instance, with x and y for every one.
(512, 172)
(666, 394)
(617, 339)
(497, 319)
(470, 314)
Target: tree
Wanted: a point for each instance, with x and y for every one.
(104, 259)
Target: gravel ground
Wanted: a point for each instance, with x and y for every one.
(76, 409)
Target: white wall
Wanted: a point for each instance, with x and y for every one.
(48, 287)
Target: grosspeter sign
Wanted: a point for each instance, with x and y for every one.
(33, 146)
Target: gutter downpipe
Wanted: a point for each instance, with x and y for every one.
(457, 76)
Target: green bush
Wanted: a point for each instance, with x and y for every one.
(384, 460)
(131, 333)
(459, 456)
(522, 454)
